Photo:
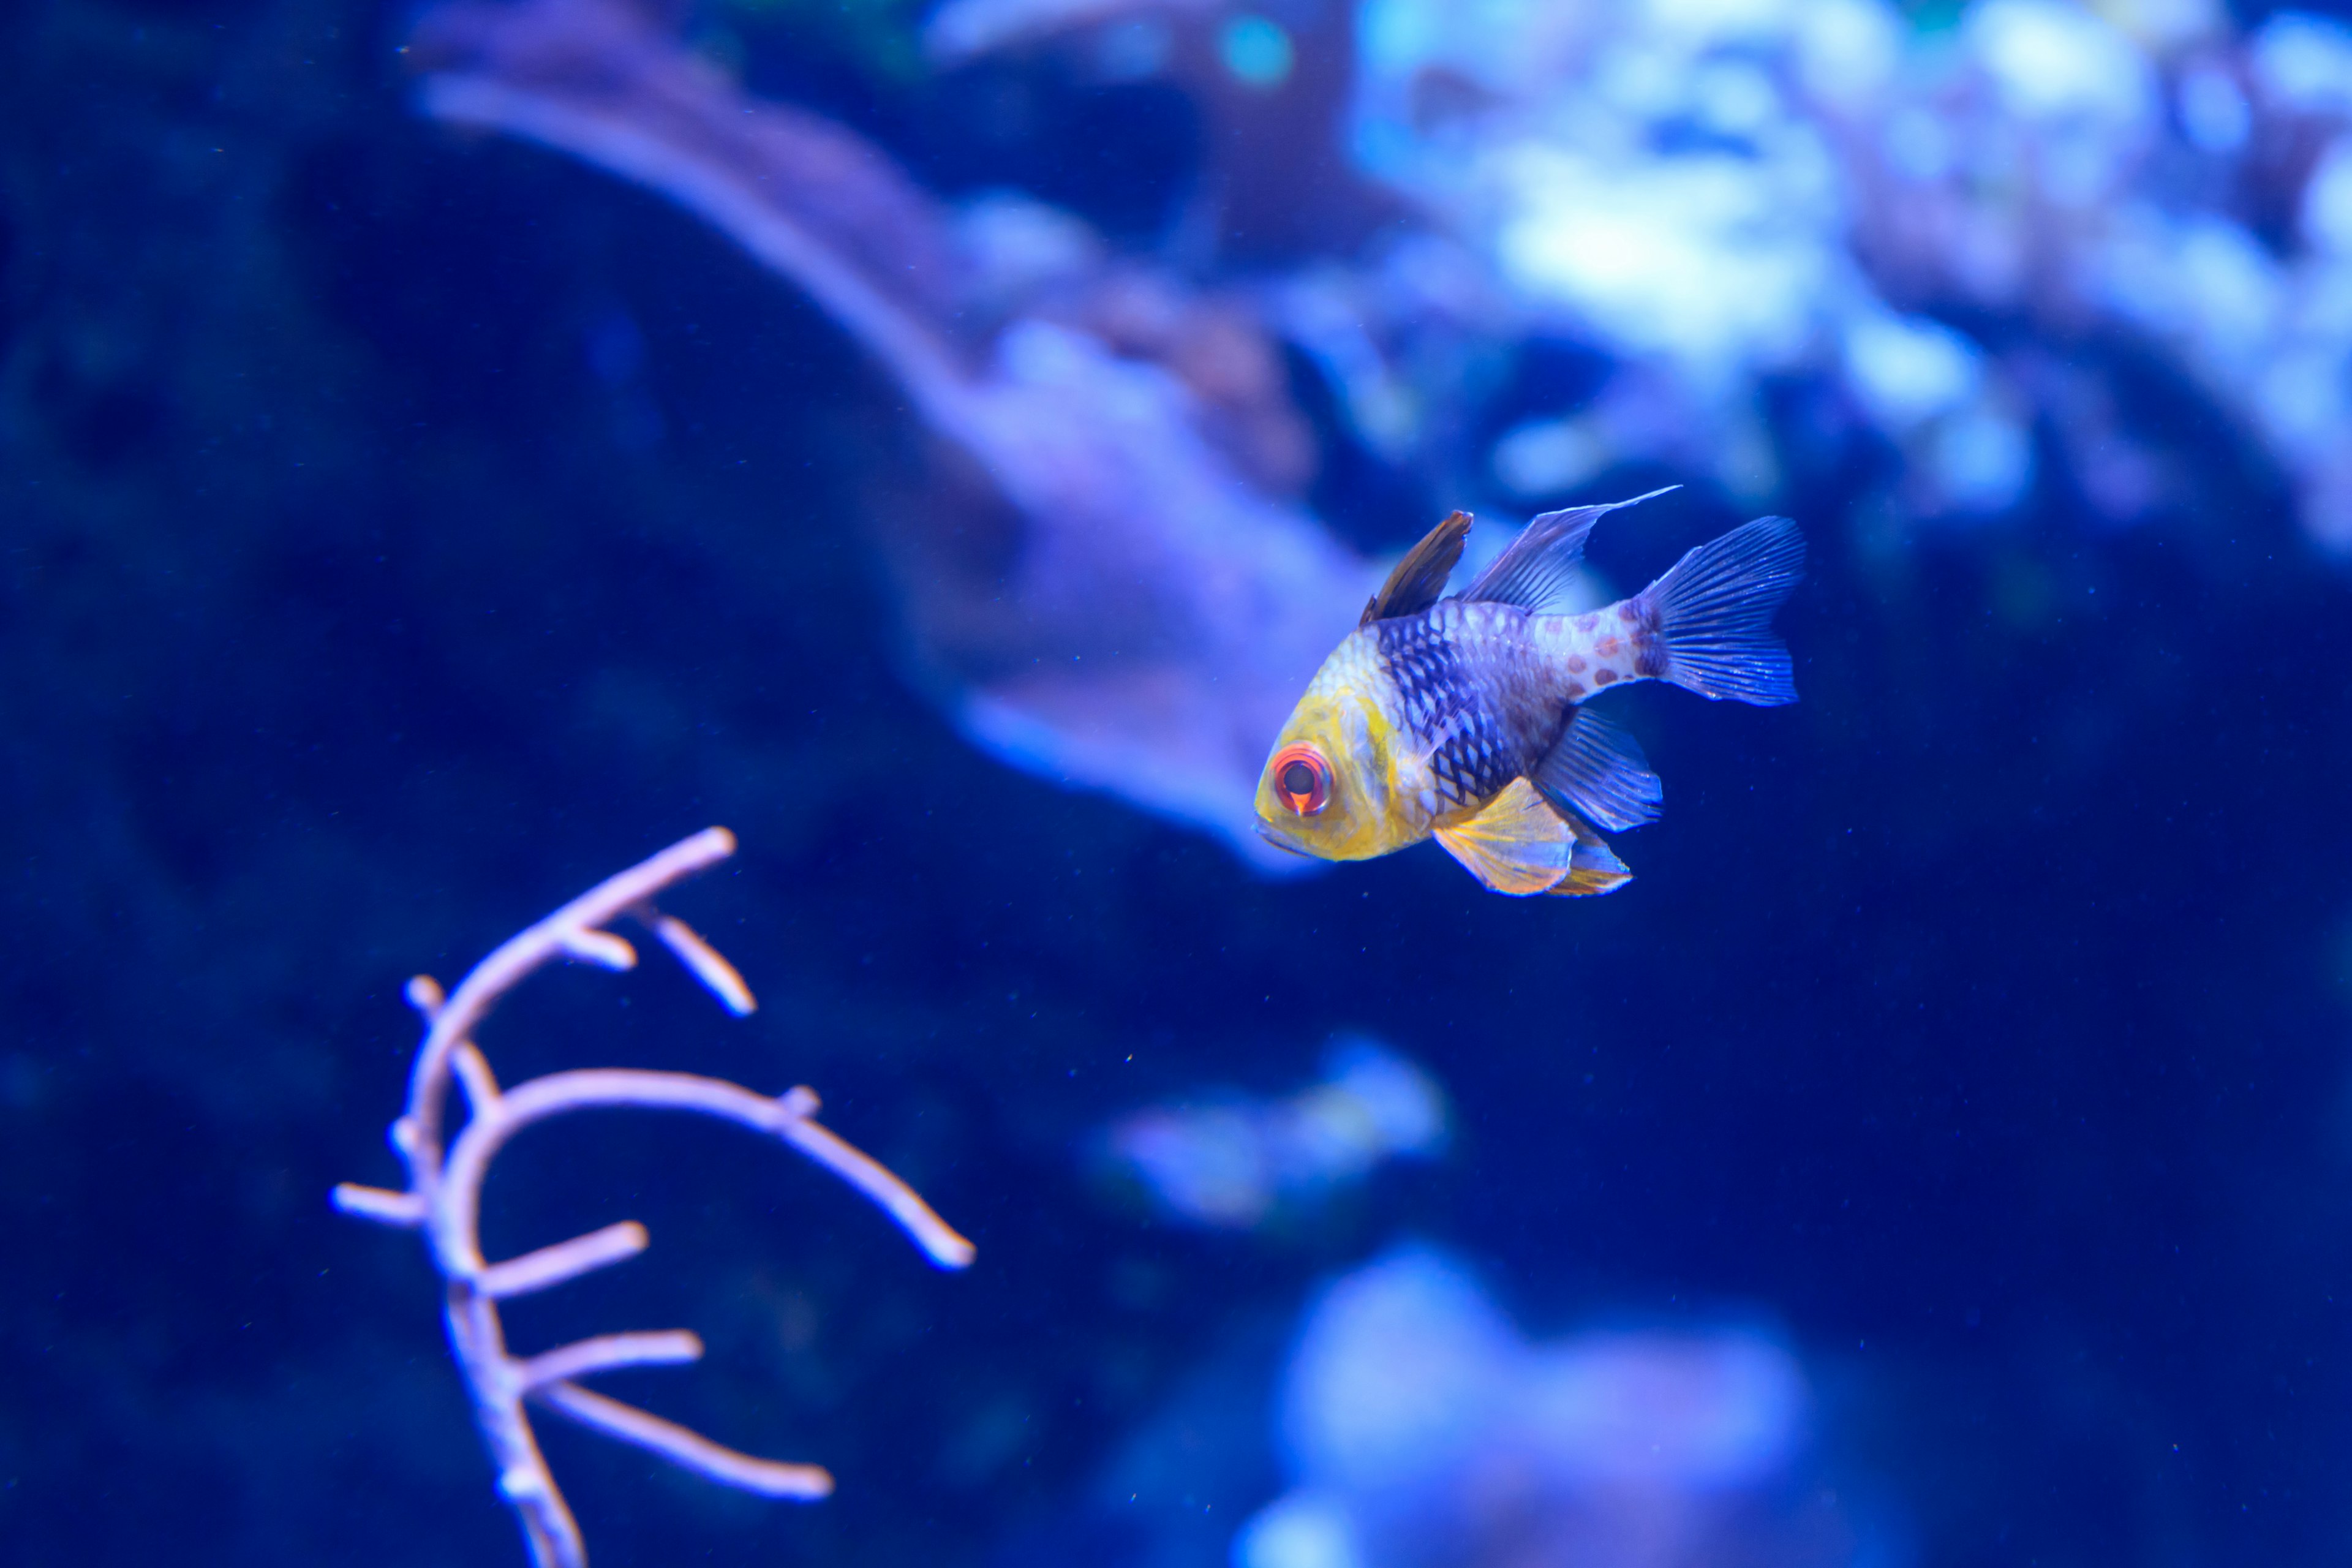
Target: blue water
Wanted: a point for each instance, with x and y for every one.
(404, 530)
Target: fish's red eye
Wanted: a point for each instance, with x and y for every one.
(1302, 778)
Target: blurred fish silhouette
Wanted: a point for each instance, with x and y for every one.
(1463, 717)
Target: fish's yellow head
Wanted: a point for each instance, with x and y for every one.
(1327, 787)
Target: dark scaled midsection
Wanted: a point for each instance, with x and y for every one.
(1472, 694)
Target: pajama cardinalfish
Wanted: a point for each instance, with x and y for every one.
(1464, 718)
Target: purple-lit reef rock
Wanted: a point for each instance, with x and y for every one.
(1162, 594)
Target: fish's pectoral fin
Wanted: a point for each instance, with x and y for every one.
(1539, 566)
(1594, 868)
(1518, 844)
(1420, 578)
(1596, 771)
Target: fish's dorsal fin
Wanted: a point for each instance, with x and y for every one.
(1597, 770)
(1420, 578)
(1519, 844)
(1536, 569)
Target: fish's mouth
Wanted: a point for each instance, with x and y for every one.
(1281, 839)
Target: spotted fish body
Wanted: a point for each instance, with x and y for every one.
(1484, 690)
(1462, 718)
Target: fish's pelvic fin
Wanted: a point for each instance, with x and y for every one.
(1539, 566)
(1712, 614)
(1420, 578)
(1597, 770)
(1519, 844)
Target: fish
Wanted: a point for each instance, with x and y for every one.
(1468, 718)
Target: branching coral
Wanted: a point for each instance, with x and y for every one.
(443, 1198)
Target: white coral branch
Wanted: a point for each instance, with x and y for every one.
(444, 1197)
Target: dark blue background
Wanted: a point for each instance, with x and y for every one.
(1983, 1017)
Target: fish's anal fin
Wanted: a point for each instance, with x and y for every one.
(1597, 772)
(1518, 844)
(1594, 868)
(1420, 578)
(1538, 567)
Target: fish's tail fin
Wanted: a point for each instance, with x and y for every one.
(1712, 614)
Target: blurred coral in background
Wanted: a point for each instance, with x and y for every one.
(1972, 230)
(1231, 1161)
(1162, 596)
(1420, 1429)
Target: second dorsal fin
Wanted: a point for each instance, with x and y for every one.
(1420, 576)
(1536, 569)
